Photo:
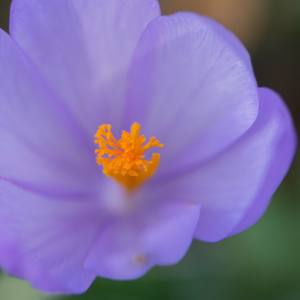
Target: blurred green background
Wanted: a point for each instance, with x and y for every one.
(264, 261)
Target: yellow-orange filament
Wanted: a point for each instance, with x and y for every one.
(124, 160)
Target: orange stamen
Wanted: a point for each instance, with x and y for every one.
(124, 160)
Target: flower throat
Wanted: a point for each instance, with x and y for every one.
(124, 160)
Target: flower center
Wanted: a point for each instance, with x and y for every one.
(124, 160)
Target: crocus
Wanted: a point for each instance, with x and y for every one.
(187, 146)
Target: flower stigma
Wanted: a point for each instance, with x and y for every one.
(124, 160)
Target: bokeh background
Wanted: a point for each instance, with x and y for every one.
(262, 263)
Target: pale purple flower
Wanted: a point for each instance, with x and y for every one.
(69, 66)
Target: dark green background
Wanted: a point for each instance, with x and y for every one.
(264, 261)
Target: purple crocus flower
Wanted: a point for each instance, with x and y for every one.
(206, 150)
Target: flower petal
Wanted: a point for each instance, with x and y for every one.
(286, 144)
(48, 239)
(192, 87)
(40, 141)
(235, 187)
(84, 49)
(128, 247)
